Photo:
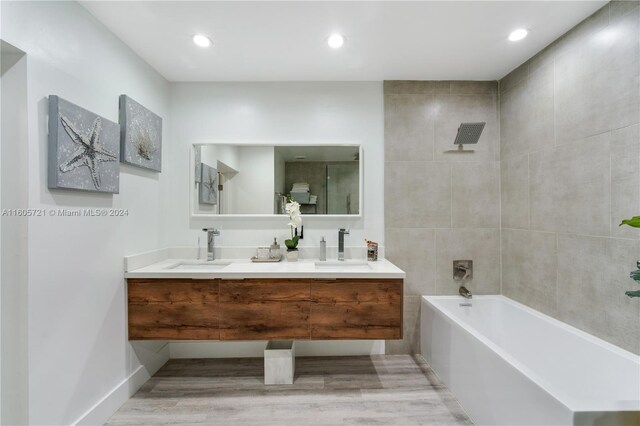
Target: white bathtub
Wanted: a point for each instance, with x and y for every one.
(509, 365)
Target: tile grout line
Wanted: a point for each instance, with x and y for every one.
(435, 257)
(560, 145)
(451, 196)
(610, 188)
(555, 109)
(555, 147)
(529, 192)
(441, 162)
(575, 234)
(440, 228)
(433, 134)
(499, 97)
(557, 276)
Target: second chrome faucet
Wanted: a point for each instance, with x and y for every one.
(341, 233)
(211, 234)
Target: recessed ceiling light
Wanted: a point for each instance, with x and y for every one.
(201, 40)
(518, 34)
(335, 41)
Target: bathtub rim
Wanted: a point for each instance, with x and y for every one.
(571, 403)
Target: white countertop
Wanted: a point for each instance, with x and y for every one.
(244, 268)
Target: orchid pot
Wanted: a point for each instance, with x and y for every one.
(292, 255)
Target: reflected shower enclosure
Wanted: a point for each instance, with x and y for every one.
(342, 188)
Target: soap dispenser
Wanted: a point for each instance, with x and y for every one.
(323, 249)
(274, 250)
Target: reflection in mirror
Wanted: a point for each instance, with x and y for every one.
(259, 179)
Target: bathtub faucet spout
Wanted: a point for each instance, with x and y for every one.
(464, 292)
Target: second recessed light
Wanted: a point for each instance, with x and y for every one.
(201, 40)
(335, 41)
(518, 34)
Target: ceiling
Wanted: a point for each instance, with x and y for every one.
(286, 41)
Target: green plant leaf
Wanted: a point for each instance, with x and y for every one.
(633, 222)
(292, 243)
(635, 275)
(635, 293)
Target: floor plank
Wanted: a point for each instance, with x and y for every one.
(361, 390)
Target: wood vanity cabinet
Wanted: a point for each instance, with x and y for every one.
(265, 309)
(356, 309)
(173, 309)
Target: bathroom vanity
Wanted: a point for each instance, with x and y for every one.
(240, 300)
(182, 299)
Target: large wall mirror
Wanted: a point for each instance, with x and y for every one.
(253, 180)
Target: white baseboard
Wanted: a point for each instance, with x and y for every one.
(255, 349)
(109, 404)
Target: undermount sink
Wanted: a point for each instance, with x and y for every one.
(343, 264)
(212, 265)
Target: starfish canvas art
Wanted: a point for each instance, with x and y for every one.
(140, 135)
(83, 149)
(90, 152)
(208, 193)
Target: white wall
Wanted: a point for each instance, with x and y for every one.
(78, 352)
(307, 113)
(254, 183)
(272, 113)
(13, 372)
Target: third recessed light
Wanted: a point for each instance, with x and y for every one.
(335, 41)
(201, 40)
(518, 34)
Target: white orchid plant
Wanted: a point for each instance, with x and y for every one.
(292, 208)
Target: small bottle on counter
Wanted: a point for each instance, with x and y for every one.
(274, 250)
(372, 250)
(323, 249)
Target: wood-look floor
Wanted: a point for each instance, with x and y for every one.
(382, 389)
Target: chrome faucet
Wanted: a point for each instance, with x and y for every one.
(464, 292)
(341, 233)
(211, 233)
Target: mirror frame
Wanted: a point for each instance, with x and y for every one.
(193, 194)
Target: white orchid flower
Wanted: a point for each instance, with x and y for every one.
(292, 208)
(295, 221)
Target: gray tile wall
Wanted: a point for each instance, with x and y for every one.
(570, 171)
(538, 203)
(440, 206)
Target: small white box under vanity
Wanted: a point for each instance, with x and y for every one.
(279, 362)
